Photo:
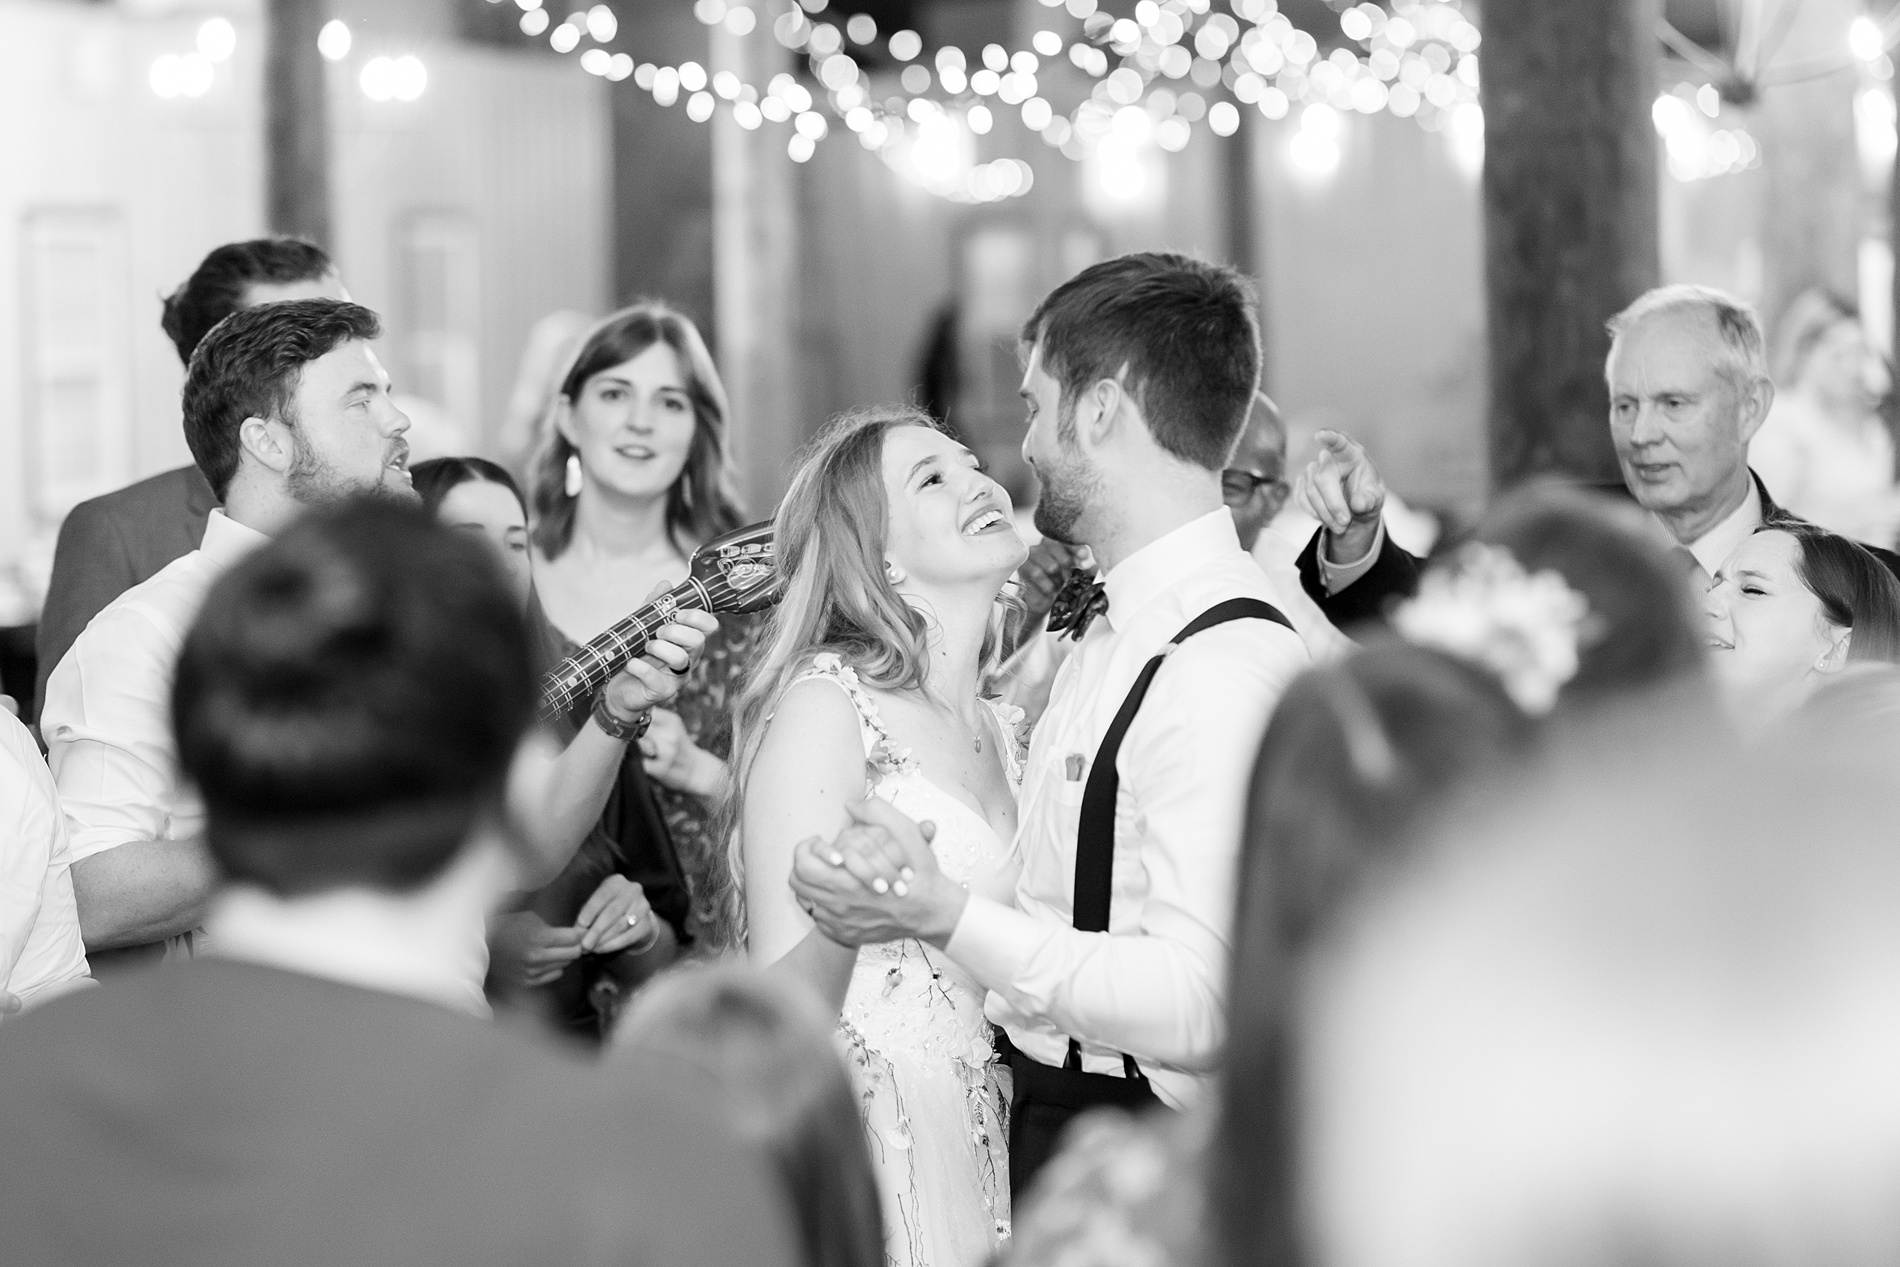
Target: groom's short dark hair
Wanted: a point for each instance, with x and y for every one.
(1185, 331)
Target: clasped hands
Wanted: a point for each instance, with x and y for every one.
(877, 880)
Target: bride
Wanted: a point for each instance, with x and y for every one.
(893, 546)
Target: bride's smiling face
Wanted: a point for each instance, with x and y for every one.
(950, 523)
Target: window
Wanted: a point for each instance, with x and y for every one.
(78, 432)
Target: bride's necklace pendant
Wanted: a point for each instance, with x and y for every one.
(978, 742)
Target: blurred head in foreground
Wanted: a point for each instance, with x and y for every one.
(768, 1047)
(350, 701)
(1637, 629)
(1358, 760)
(1793, 605)
(1657, 1027)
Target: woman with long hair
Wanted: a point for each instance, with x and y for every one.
(893, 547)
(631, 477)
(578, 944)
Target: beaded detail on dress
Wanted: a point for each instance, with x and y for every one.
(913, 1032)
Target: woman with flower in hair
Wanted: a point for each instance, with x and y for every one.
(893, 547)
(631, 477)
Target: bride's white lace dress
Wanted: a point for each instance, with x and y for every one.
(934, 1100)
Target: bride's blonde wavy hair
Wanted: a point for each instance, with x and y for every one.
(830, 535)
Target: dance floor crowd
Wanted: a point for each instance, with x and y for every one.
(437, 862)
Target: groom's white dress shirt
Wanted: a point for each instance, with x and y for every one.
(1154, 984)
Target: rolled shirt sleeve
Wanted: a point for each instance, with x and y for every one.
(107, 725)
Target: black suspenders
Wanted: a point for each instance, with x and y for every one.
(1095, 835)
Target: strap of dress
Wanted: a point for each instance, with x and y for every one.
(880, 750)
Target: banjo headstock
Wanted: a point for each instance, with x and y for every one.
(739, 570)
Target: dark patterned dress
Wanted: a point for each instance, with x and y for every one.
(706, 705)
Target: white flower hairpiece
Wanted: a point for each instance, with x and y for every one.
(1483, 606)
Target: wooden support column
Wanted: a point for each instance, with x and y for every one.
(1570, 219)
(755, 271)
(296, 121)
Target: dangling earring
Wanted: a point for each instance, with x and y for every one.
(572, 484)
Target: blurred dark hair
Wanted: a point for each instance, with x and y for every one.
(438, 477)
(217, 287)
(1855, 589)
(1185, 331)
(703, 501)
(249, 366)
(783, 1088)
(1645, 631)
(350, 699)
(1358, 760)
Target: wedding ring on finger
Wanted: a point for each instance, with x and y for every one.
(633, 921)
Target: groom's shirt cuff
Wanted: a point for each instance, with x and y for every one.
(994, 943)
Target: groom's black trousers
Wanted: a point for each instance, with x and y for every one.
(1044, 1099)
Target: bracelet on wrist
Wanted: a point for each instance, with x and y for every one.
(615, 727)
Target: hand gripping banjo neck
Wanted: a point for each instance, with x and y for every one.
(732, 574)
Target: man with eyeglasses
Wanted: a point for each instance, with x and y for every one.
(1256, 490)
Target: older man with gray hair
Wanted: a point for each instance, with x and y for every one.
(1689, 387)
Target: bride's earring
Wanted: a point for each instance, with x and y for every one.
(893, 573)
(572, 482)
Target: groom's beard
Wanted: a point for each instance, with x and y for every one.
(1068, 490)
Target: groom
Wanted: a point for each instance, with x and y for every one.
(1108, 973)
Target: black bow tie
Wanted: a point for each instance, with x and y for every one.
(1080, 600)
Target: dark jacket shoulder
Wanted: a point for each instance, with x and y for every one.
(111, 543)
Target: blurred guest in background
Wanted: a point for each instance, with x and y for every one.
(349, 704)
(592, 902)
(111, 543)
(286, 406)
(1824, 449)
(768, 1047)
(1655, 1027)
(1359, 759)
(42, 954)
(1792, 605)
(1255, 488)
(633, 475)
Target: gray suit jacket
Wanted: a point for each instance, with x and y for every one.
(222, 1114)
(111, 543)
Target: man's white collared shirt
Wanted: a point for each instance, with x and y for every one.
(1713, 547)
(107, 720)
(375, 941)
(1153, 986)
